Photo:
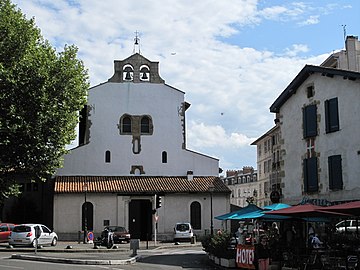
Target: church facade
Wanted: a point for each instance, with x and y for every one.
(132, 149)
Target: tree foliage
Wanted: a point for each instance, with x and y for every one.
(41, 93)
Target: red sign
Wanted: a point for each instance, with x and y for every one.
(90, 236)
(245, 256)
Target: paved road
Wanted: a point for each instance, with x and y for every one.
(162, 256)
(167, 258)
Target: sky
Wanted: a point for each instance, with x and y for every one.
(232, 58)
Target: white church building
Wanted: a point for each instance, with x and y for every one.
(132, 147)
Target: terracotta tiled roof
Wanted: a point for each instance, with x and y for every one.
(138, 184)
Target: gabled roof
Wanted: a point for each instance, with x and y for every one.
(267, 133)
(128, 185)
(306, 72)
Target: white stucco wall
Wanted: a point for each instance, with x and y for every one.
(175, 208)
(343, 142)
(109, 102)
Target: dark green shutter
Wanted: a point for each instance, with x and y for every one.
(310, 175)
(310, 121)
(335, 172)
(331, 115)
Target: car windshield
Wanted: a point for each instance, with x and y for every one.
(182, 227)
(116, 229)
(22, 229)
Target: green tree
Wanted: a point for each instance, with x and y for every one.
(41, 93)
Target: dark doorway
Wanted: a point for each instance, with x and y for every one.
(140, 219)
(89, 210)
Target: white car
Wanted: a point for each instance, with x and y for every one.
(25, 235)
(183, 230)
(349, 224)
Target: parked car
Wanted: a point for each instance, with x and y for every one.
(5, 230)
(25, 235)
(349, 224)
(120, 234)
(183, 231)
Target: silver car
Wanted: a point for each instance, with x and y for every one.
(349, 224)
(183, 231)
(26, 234)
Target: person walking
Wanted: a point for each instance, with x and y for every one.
(262, 254)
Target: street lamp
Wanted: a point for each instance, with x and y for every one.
(211, 190)
(85, 214)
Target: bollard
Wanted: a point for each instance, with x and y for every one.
(79, 237)
(193, 240)
(134, 245)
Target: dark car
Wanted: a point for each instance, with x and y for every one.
(120, 234)
(5, 230)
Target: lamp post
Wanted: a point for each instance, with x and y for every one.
(85, 214)
(211, 190)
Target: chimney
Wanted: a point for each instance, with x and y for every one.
(190, 175)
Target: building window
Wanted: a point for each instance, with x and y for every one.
(144, 73)
(259, 149)
(335, 172)
(310, 121)
(195, 215)
(145, 125)
(128, 73)
(126, 124)
(310, 91)
(331, 115)
(107, 156)
(164, 157)
(310, 174)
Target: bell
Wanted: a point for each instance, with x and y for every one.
(128, 76)
(144, 76)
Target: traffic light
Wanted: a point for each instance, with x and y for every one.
(158, 201)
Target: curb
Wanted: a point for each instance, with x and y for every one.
(75, 261)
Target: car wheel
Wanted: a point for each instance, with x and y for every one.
(54, 242)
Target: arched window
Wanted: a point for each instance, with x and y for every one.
(164, 157)
(107, 156)
(144, 73)
(145, 124)
(128, 73)
(88, 211)
(126, 124)
(195, 215)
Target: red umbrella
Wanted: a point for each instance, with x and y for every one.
(350, 208)
(306, 210)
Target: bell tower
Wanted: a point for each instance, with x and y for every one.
(136, 68)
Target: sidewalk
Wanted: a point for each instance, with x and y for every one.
(75, 253)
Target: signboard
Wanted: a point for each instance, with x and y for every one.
(245, 256)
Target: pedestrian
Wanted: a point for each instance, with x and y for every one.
(316, 243)
(262, 254)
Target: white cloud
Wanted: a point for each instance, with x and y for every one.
(296, 49)
(311, 20)
(202, 136)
